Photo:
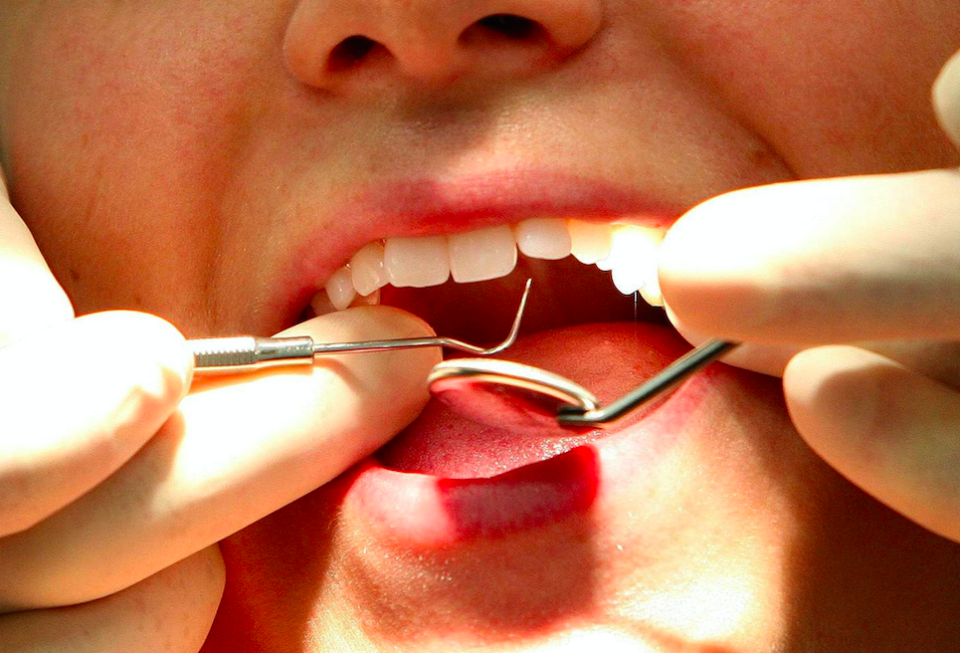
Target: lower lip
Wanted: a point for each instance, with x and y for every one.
(423, 512)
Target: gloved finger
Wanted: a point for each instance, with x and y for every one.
(825, 261)
(946, 98)
(171, 611)
(890, 431)
(77, 401)
(939, 361)
(238, 450)
(30, 297)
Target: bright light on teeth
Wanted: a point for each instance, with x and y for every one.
(629, 252)
(651, 293)
(633, 257)
(589, 241)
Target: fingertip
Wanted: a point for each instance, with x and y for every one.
(145, 339)
(369, 398)
(82, 398)
(858, 411)
(413, 326)
(788, 263)
(175, 354)
(397, 380)
(171, 348)
(831, 395)
(946, 98)
(888, 430)
(711, 273)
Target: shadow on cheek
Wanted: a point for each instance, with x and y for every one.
(857, 576)
(276, 569)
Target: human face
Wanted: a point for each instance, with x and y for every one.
(216, 162)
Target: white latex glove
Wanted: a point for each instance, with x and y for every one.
(115, 487)
(849, 288)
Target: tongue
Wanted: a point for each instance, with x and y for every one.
(608, 359)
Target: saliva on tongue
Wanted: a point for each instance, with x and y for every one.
(612, 354)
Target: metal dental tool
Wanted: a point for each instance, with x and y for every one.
(537, 390)
(251, 353)
(569, 403)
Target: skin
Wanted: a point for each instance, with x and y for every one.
(148, 148)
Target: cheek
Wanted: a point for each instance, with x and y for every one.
(836, 87)
(119, 159)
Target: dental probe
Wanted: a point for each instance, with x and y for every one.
(569, 403)
(251, 353)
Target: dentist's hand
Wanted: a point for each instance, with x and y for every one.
(115, 487)
(861, 276)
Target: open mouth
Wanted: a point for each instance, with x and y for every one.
(457, 253)
(593, 317)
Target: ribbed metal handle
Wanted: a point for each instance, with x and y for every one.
(239, 353)
(224, 352)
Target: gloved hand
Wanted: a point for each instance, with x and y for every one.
(115, 486)
(849, 288)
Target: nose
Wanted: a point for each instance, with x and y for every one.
(350, 45)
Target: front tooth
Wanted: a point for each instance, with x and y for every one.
(366, 268)
(417, 262)
(651, 293)
(543, 238)
(633, 257)
(589, 241)
(340, 289)
(482, 254)
(628, 278)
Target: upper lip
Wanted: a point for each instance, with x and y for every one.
(428, 206)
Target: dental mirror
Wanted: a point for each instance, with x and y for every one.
(498, 393)
(506, 394)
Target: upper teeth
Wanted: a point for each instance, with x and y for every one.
(628, 251)
(482, 254)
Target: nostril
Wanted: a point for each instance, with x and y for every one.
(515, 28)
(350, 51)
